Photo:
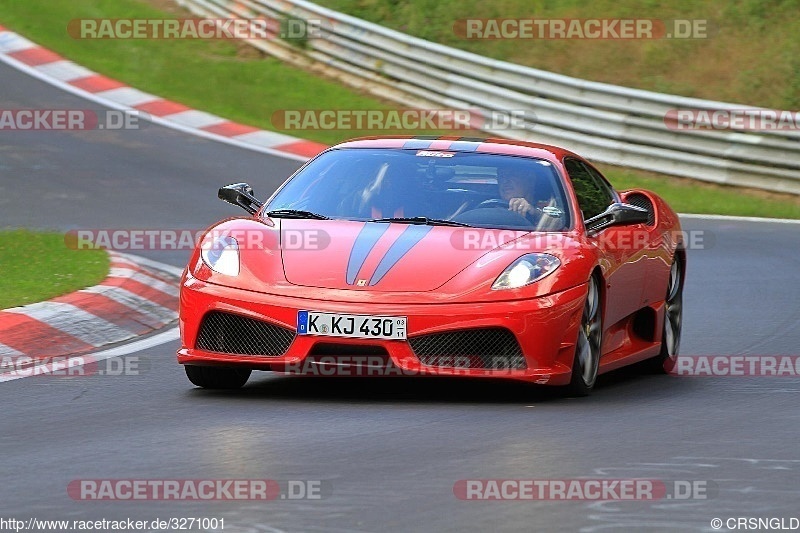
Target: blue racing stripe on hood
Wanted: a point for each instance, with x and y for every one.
(405, 242)
(366, 240)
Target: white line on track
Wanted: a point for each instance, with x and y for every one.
(734, 218)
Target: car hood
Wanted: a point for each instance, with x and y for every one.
(382, 257)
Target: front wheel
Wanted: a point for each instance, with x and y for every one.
(214, 377)
(587, 348)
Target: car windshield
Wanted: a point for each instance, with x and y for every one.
(426, 186)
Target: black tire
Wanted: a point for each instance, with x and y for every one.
(665, 361)
(587, 347)
(214, 377)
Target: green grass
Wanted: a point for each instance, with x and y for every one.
(687, 196)
(751, 54)
(38, 266)
(233, 81)
(225, 78)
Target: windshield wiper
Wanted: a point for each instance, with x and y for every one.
(295, 213)
(425, 221)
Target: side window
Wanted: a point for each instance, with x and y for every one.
(593, 194)
(601, 181)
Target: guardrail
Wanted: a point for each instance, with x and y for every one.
(606, 123)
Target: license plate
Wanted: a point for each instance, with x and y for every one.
(354, 326)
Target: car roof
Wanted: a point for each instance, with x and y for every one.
(462, 144)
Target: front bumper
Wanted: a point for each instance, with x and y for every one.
(545, 328)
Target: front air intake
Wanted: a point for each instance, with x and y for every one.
(235, 334)
(486, 348)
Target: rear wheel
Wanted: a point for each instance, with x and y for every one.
(214, 377)
(587, 348)
(665, 361)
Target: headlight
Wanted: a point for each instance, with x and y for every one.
(222, 255)
(526, 270)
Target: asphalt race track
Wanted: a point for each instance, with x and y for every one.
(388, 451)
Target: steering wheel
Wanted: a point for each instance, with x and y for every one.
(493, 202)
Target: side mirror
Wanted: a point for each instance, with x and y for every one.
(617, 214)
(240, 194)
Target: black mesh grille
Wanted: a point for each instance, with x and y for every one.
(234, 334)
(640, 200)
(470, 348)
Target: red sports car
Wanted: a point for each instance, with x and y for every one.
(395, 256)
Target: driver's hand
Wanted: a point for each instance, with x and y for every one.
(521, 206)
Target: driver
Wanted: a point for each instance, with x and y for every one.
(517, 189)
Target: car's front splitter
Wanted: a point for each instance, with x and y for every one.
(545, 328)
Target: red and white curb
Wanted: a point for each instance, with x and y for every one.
(138, 296)
(48, 66)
